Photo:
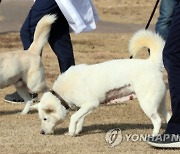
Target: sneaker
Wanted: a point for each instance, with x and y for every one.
(164, 141)
(14, 98)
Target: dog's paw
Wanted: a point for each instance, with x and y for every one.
(78, 132)
(70, 134)
(23, 113)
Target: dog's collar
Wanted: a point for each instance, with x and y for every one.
(63, 102)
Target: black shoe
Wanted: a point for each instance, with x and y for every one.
(164, 141)
(14, 98)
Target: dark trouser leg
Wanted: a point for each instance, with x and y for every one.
(37, 11)
(171, 59)
(60, 42)
(167, 8)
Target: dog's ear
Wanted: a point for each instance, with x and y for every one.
(35, 107)
(49, 109)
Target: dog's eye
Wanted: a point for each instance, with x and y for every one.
(45, 119)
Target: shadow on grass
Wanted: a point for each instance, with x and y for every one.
(15, 112)
(103, 128)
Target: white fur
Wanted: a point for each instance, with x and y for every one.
(86, 85)
(24, 69)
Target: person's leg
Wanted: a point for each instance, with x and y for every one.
(60, 42)
(37, 11)
(167, 8)
(171, 59)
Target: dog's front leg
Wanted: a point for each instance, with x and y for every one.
(27, 107)
(79, 125)
(77, 119)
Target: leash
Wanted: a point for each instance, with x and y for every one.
(152, 14)
(149, 21)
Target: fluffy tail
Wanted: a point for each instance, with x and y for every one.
(148, 39)
(42, 33)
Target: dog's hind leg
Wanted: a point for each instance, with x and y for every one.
(152, 113)
(77, 118)
(24, 93)
(150, 97)
(36, 82)
(163, 110)
(156, 121)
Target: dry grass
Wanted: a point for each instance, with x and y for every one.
(20, 134)
(126, 11)
(1, 18)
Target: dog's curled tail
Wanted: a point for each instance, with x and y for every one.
(41, 33)
(150, 40)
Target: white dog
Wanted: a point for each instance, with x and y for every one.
(85, 86)
(24, 69)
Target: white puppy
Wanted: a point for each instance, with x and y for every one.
(85, 86)
(24, 69)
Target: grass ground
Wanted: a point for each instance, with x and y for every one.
(20, 134)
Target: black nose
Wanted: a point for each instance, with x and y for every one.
(42, 132)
